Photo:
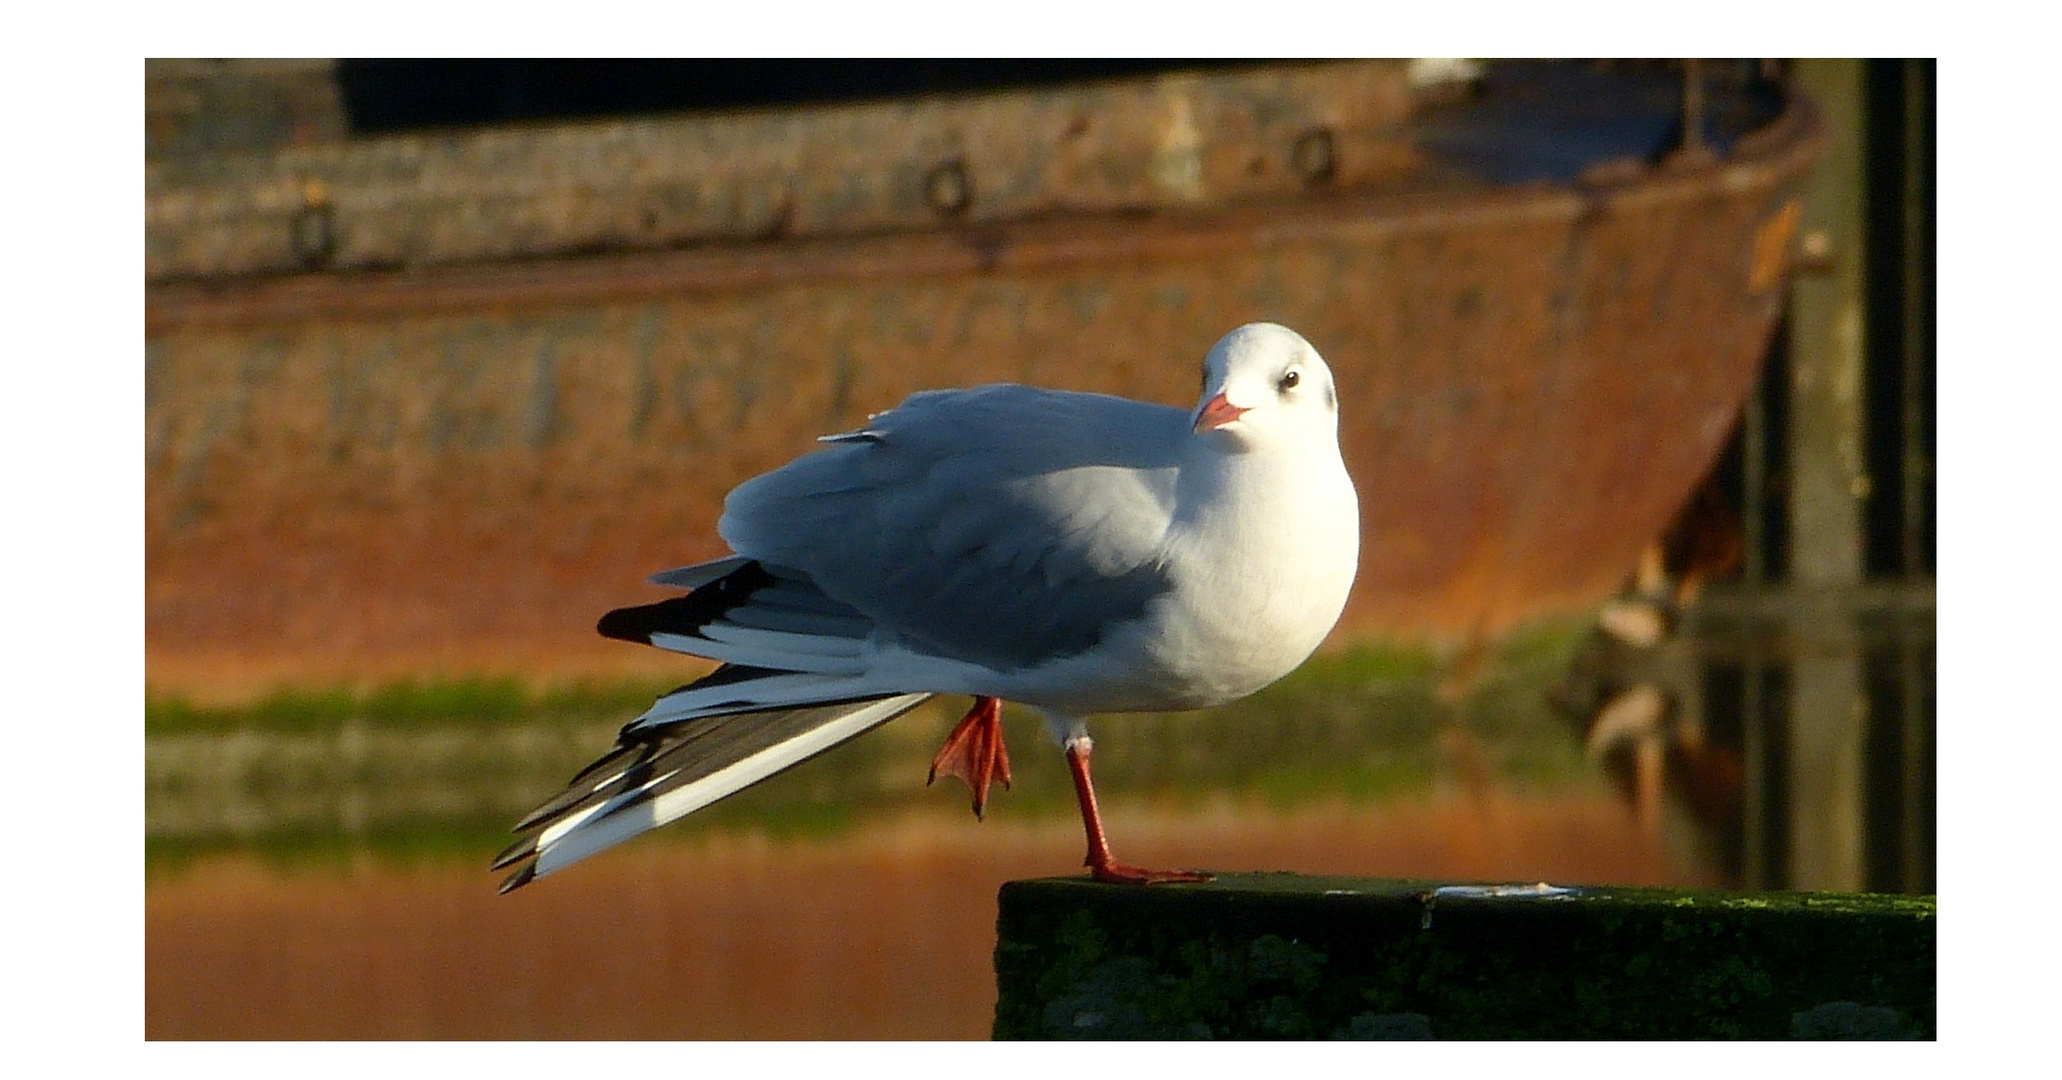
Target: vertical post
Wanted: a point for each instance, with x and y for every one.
(1916, 535)
(1916, 829)
(1828, 484)
(1753, 766)
(1754, 570)
(1693, 110)
(1917, 200)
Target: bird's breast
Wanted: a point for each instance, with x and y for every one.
(1262, 579)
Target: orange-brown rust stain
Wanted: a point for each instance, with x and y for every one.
(888, 934)
(1525, 399)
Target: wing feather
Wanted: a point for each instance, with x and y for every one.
(1003, 525)
(656, 776)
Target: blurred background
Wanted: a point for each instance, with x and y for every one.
(1636, 361)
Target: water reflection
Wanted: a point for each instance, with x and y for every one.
(330, 881)
(882, 932)
(1784, 739)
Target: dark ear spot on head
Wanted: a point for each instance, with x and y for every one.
(1331, 396)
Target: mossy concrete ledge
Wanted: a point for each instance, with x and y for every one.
(1254, 956)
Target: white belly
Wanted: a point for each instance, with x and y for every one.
(1259, 597)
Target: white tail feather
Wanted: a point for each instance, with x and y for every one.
(784, 640)
(791, 690)
(604, 826)
(779, 658)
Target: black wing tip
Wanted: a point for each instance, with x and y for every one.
(518, 879)
(515, 853)
(636, 624)
(547, 810)
(579, 796)
(685, 614)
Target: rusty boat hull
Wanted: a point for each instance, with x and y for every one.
(364, 471)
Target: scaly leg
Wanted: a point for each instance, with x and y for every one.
(974, 752)
(1101, 864)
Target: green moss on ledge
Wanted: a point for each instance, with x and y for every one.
(1253, 956)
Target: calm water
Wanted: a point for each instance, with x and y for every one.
(332, 883)
(885, 934)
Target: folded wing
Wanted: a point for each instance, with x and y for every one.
(1002, 525)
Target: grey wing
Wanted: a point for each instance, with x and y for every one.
(1002, 525)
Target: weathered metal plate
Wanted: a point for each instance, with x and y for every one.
(434, 199)
(352, 475)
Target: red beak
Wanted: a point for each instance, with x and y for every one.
(1216, 413)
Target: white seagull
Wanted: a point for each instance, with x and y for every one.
(1077, 553)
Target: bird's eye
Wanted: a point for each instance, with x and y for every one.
(1289, 380)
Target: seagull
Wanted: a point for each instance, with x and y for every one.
(1076, 553)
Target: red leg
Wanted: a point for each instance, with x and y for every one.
(1101, 864)
(974, 752)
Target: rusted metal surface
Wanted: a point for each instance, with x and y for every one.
(459, 468)
(212, 107)
(418, 200)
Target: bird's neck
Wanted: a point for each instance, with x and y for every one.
(1248, 477)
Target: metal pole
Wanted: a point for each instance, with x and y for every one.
(1828, 714)
(1918, 311)
(1917, 556)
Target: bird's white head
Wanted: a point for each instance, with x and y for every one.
(1263, 383)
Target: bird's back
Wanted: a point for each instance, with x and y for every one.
(1003, 525)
